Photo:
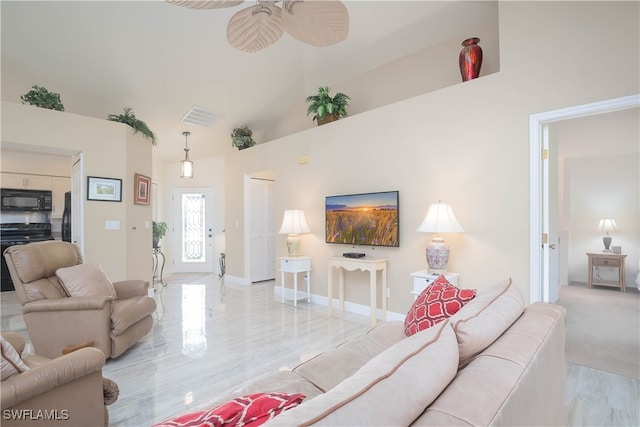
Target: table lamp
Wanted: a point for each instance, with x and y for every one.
(605, 226)
(294, 224)
(439, 219)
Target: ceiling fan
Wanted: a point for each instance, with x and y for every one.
(315, 22)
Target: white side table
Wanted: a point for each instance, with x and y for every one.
(370, 265)
(422, 279)
(295, 265)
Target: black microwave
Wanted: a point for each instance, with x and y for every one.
(25, 200)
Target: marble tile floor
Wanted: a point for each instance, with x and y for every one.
(209, 338)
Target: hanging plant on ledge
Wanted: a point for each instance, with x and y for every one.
(242, 138)
(41, 97)
(128, 118)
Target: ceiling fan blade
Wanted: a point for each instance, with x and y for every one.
(317, 22)
(254, 28)
(205, 4)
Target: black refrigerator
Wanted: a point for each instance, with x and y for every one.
(66, 217)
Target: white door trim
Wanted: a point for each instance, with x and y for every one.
(538, 139)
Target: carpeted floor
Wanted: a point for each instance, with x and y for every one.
(603, 328)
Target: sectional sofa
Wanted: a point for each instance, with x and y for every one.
(495, 362)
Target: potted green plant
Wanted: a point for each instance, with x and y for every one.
(325, 108)
(242, 138)
(129, 118)
(41, 97)
(159, 231)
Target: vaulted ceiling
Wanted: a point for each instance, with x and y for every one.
(161, 59)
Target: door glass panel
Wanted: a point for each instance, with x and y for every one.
(193, 227)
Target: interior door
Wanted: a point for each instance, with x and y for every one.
(262, 230)
(192, 233)
(77, 213)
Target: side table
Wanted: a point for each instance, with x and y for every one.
(422, 279)
(606, 259)
(295, 265)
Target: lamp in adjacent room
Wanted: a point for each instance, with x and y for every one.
(294, 224)
(607, 225)
(439, 219)
(186, 164)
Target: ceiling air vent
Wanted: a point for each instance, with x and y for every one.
(201, 117)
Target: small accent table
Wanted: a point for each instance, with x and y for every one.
(295, 265)
(606, 259)
(370, 265)
(422, 279)
(156, 265)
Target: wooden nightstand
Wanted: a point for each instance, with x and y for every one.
(607, 259)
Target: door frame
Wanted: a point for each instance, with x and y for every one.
(539, 184)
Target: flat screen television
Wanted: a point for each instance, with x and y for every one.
(370, 219)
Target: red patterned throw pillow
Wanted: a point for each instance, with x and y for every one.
(437, 302)
(249, 411)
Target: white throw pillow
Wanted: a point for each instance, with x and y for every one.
(84, 280)
(11, 362)
(483, 319)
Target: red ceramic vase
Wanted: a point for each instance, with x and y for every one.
(470, 59)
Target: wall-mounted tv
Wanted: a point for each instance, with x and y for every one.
(370, 219)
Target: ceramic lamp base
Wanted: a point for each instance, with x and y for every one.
(607, 243)
(437, 256)
(293, 244)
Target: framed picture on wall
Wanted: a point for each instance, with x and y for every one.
(142, 190)
(104, 189)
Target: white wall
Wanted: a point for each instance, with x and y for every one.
(109, 150)
(208, 172)
(604, 187)
(467, 144)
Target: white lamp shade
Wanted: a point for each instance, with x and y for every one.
(440, 219)
(294, 222)
(606, 225)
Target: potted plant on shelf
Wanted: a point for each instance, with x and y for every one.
(159, 231)
(242, 138)
(41, 97)
(128, 118)
(325, 108)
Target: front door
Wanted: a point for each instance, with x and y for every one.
(193, 234)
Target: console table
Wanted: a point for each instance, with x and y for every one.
(607, 259)
(295, 265)
(352, 264)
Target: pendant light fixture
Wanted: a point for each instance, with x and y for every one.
(187, 165)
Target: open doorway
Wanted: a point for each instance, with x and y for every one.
(544, 230)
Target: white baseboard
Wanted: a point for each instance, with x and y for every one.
(349, 307)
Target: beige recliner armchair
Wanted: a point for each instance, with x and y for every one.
(56, 321)
(63, 391)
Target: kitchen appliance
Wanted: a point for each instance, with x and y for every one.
(20, 228)
(25, 200)
(66, 217)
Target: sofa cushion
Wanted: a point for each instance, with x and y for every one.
(11, 362)
(481, 321)
(330, 368)
(392, 389)
(249, 411)
(84, 280)
(437, 302)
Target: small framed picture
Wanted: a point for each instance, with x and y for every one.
(104, 189)
(142, 190)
